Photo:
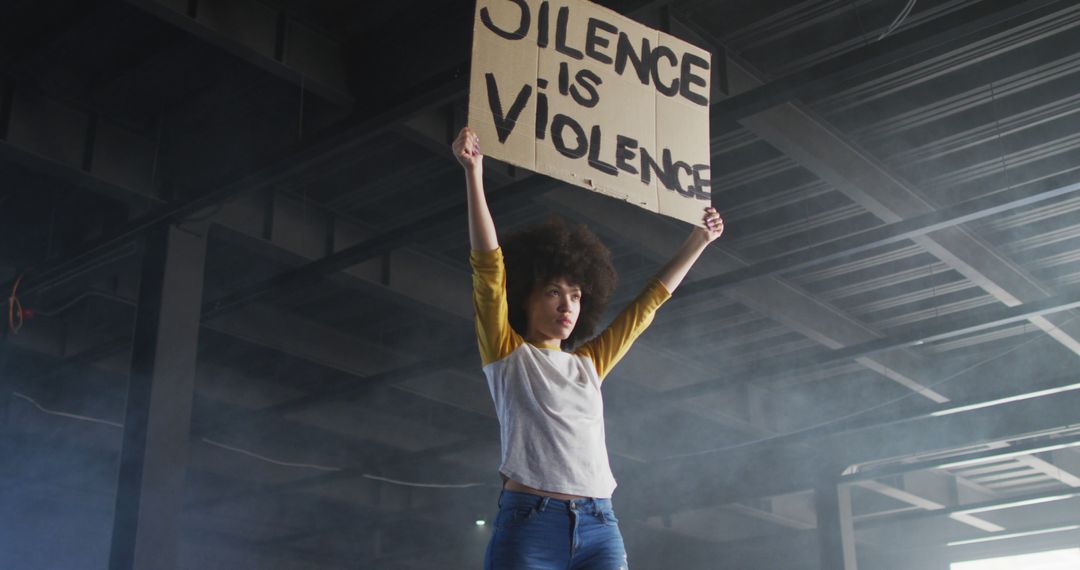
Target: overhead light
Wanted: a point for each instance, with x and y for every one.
(1000, 401)
(1014, 535)
(481, 522)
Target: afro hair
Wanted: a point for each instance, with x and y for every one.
(553, 250)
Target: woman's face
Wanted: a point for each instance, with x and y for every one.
(552, 310)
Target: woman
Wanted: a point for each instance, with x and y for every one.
(555, 508)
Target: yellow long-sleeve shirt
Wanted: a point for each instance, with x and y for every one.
(551, 413)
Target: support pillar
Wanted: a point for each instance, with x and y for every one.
(836, 528)
(157, 425)
(7, 381)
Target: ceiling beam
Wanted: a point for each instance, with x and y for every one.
(942, 328)
(838, 161)
(849, 246)
(1049, 469)
(923, 503)
(997, 504)
(772, 517)
(300, 159)
(905, 48)
(265, 37)
(784, 466)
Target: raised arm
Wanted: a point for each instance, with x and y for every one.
(493, 332)
(611, 345)
(466, 149)
(675, 271)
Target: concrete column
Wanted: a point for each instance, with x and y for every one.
(157, 425)
(836, 529)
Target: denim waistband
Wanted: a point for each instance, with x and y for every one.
(511, 499)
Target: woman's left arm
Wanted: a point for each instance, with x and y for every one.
(675, 271)
(611, 345)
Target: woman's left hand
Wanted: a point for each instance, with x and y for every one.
(713, 225)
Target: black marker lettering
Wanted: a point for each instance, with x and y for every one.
(624, 153)
(562, 20)
(648, 165)
(564, 78)
(541, 109)
(672, 169)
(624, 51)
(688, 78)
(558, 123)
(542, 25)
(588, 80)
(665, 53)
(595, 142)
(504, 124)
(592, 40)
(523, 22)
(702, 181)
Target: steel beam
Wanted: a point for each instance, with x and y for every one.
(788, 465)
(905, 48)
(153, 458)
(378, 245)
(772, 517)
(312, 341)
(1050, 470)
(831, 157)
(940, 329)
(299, 160)
(927, 504)
(850, 246)
(766, 113)
(980, 507)
(51, 137)
(264, 37)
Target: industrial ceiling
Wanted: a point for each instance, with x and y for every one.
(876, 365)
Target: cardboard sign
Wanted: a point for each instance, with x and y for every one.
(581, 93)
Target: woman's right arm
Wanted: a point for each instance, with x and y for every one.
(493, 331)
(466, 150)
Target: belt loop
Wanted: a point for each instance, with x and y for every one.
(543, 504)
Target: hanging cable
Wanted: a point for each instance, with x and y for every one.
(253, 455)
(899, 20)
(45, 410)
(423, 485)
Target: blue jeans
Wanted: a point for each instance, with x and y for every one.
(540, 533)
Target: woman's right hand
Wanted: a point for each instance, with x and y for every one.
(466, 149)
